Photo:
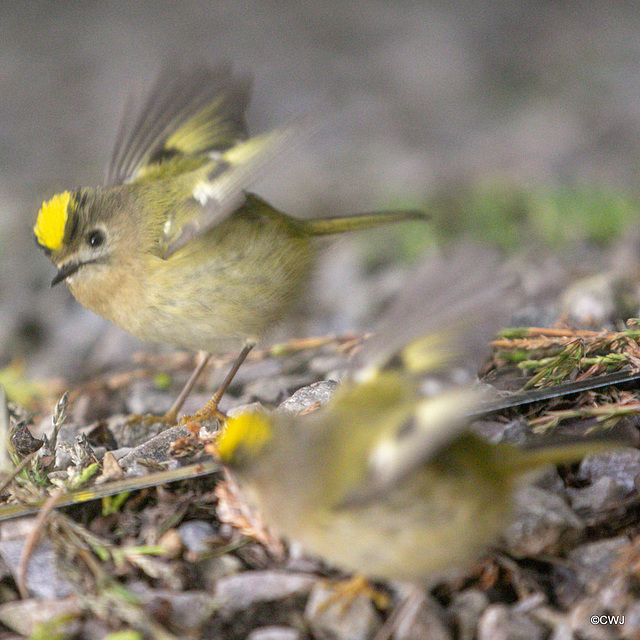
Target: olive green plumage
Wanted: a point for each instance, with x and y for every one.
(173, 248)
(385, 480)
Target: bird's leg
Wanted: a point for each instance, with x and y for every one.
(172, 414)
(210, 410)
(347, 590)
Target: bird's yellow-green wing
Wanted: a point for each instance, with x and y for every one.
(222, 182)
(191, 129)
(445, 316)
(406, 402)
(187, 113)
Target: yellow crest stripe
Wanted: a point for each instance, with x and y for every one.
(248, 431)
(52, 219)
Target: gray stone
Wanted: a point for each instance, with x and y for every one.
(332, 617)
(250, 371)
(427, 620)
(590, 301)
(500, 622)
(515, 432)
(144, 398)
(44, 577)
(467, 607)
(550, 480)
(334, 364)
(594, 560)
(156, 449)
(275, 633)
(631, 620)
(622, 466)
(215, 568)
(239, 592)
(542, 523)
(184, 612)
(602, 495)
(197, 536)
(319, 392)
(580, 619)
(272, 390)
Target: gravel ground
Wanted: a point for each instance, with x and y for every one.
(416, 98)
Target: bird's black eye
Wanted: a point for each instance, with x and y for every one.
(96, 238)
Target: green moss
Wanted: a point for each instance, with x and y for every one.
(514, 215)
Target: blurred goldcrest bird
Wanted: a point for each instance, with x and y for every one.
(173, 249)
(383, 480)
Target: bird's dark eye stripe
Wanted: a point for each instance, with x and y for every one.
(72, 226)
(81, 199)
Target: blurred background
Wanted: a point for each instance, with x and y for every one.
(515, 122)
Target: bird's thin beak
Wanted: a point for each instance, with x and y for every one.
(64, 272)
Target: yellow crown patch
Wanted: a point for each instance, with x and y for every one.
(51, 221)
(248, 431)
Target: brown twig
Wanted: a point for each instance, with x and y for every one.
(31, 540)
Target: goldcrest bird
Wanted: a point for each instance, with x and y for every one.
(172, 248)
(383, 480)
